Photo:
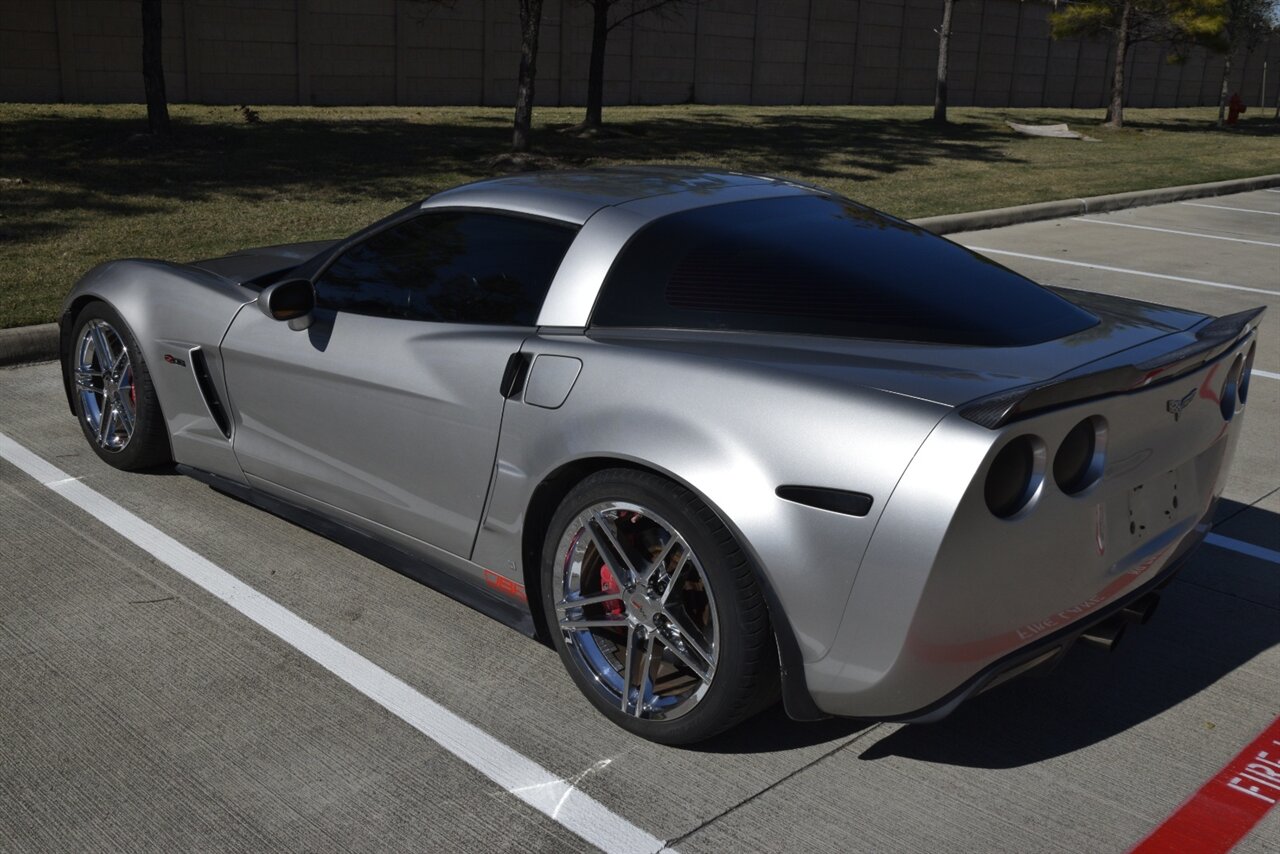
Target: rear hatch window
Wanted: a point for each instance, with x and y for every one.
(819, 265)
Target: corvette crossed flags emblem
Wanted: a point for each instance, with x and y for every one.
(1176, 405)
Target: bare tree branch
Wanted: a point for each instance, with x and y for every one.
(601, 26)
(644, 8)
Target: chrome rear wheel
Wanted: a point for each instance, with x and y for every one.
(636, 610)
(654, 608)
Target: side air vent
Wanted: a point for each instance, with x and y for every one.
(835, 500)
(210, 394)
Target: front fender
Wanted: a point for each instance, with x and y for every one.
(172, 310)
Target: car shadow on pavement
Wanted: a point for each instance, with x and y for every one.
(772, 731)
(1220, 613)
(162, 470)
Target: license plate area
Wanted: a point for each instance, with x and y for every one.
(1154, 505)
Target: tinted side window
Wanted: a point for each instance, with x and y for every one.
(813, 265)
(451, 267)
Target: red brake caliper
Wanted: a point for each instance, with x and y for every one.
(609, 584)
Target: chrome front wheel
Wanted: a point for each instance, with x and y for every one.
(104, 382)
(111, 391)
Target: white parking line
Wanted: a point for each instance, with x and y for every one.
(1173, 231)
(554, 797)
(1225, 208)
(1273, 191)
(1204, 282)
(1270, 555)
(1267, 374)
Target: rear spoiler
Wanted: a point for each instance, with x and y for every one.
(1213, 337)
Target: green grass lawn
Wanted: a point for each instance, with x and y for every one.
(82, 184)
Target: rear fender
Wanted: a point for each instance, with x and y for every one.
(732, 433)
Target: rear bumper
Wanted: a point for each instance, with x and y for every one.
(951, 598)
(1047, 650)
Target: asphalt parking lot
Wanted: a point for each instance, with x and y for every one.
(139, 710)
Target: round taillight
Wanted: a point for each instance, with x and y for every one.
(1228, 397)
(1014, 476)
(1245, 373)
(1080, 458)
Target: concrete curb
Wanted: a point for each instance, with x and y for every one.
(40, 343)
(975, 220)
(24, 344)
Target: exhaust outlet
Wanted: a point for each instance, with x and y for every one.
(1141, 611)
(1106, 635)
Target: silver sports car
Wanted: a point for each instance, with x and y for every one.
(718, 437)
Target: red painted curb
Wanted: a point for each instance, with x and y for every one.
(1227, 807)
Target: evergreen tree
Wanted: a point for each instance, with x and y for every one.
(1128, 22)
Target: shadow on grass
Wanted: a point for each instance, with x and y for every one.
(822, 146)
(107, 166)
(82, 166)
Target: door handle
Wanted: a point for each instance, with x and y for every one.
(515, 374)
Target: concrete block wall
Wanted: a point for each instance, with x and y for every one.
(664, 63)
(83, 51)
(724, 52)
(918, 52)
(29, 66)
(467, 52)
(239, 51)
(350, 50)
(830, 50)
(441, 57)
(780, 51)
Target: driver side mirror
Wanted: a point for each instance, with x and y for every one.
(293, 300)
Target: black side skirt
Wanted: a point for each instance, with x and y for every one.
(508, 613)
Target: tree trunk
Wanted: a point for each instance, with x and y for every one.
(153, 69)
(1223, 92)
(595, 70)
(530, 23)
(1115, 114)
(944, 39)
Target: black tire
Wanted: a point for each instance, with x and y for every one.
(745, 677)
(147, 446)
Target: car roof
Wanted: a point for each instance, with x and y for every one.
(574, 195)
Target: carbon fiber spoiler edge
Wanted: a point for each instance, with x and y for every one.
(1213, 338)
